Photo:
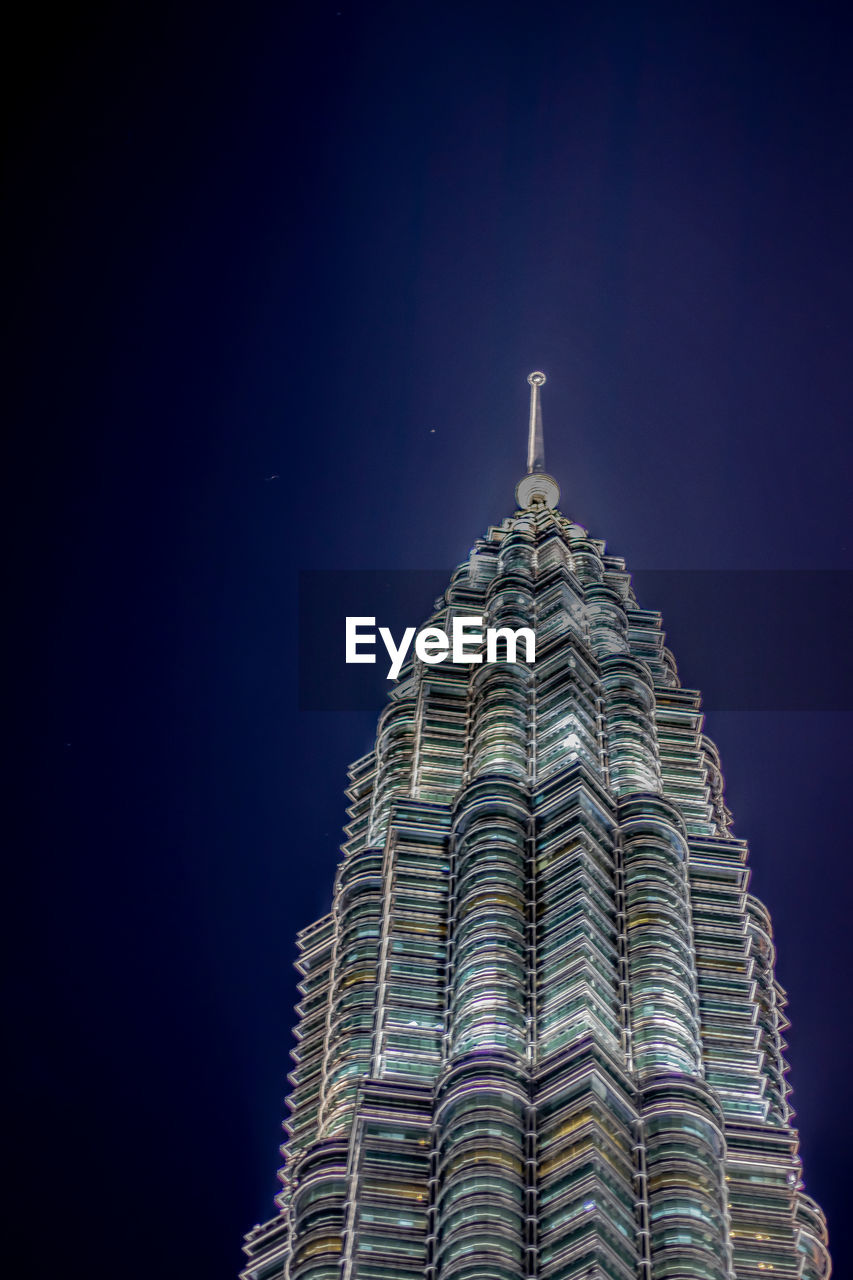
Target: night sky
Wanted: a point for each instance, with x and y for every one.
(326, 243)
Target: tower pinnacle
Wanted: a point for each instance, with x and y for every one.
(536, 489)
(535, 439)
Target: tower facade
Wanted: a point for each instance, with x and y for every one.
(540, 1034)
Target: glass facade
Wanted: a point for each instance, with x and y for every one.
(540, 1033)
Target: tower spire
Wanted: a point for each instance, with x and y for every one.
(536, 489)
(535, 438)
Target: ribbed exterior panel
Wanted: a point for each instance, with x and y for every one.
(481, 1122)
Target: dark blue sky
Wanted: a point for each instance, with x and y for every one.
(328, 242)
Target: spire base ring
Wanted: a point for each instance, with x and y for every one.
(537, 490)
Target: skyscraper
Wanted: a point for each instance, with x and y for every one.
(540, 1033)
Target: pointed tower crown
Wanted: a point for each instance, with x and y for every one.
(537, 488)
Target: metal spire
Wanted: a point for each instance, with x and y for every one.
(535, 438)
(536, 489)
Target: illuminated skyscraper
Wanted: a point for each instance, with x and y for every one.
(540, 1033)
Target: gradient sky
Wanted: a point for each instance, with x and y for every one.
(327, 243)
